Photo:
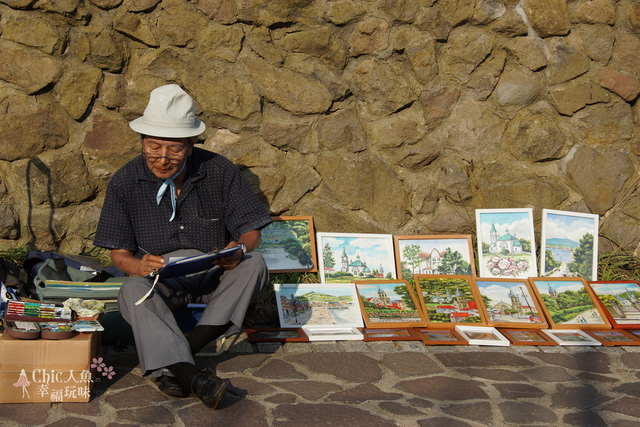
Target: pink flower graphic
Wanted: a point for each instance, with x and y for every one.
(108, 372)
(98, 364)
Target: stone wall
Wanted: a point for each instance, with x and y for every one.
(373, 116)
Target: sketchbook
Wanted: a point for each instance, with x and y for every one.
(192, 264)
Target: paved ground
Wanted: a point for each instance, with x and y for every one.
(350, 383)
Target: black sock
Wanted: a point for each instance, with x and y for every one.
(184, 372)
(204, 334)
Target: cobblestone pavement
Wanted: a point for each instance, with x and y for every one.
(402, 383)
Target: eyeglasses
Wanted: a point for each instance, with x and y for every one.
(172, 158)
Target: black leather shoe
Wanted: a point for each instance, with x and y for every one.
(209, 388)
(172, 387)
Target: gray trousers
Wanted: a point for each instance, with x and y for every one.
(227, 294)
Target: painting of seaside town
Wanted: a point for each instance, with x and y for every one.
(506, 243)
(444, 254)
(509, 303)
(346, 256)
(309, 304)
(288, 245)
(389, 303)
(569, 303)
(569, 244)
(449, 300)
(621, 300)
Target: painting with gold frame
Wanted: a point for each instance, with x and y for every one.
(388, 334)
(434, 254)
(389, 304)
(615, 337)
(449, 300)
(288, 245)
(440, 336)
(510, 303)
(620, 301)
(276, 335)
(527, 336)
(569, 303)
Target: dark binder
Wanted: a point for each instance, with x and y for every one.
(192, 264)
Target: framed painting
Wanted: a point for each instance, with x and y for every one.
(449, 300)
(337, 333)
(444, 254)
(620, 301)
(288, 245)
(569, 303)
(276, 335)
(482, 335)
(527, 336)
(389, 334)
(615, 337)
(571, 337)
(348, 256)
(569, 244)
(510, 303)
(389, 304)
(318, 304)
(440, 336)
(506, 243)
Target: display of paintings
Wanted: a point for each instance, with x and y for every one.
(527, 337)
(449, 300)
(571, 337)
(445, 254)
(569, 244)
(276, 335)
(390, 334)
(569, 302)
(440, 336)
(318, 304)
(510, 303)
(346, 257)
(389, 303)
(615, 337)
(621, 302)
(482, 335)
(288, 244)
(506, 243)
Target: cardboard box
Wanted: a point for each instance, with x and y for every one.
(47, 370)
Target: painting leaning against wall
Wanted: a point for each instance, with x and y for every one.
(506, 243)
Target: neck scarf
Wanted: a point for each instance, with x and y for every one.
(168, 183)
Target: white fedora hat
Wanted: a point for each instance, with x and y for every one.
(171, 113)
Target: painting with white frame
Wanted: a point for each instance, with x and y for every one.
(571, 337)
(506, 243)
(564, 234)
(344, 257)
(483, 335)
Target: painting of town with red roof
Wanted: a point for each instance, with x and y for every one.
(449, 300)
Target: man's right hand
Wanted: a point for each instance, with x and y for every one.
(126, 261)
(150, 263)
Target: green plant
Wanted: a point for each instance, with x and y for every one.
(16, 255)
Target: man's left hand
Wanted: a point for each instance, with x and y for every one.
(229, 262)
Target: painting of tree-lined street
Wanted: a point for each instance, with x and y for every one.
(569, 303)
(621, 300)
